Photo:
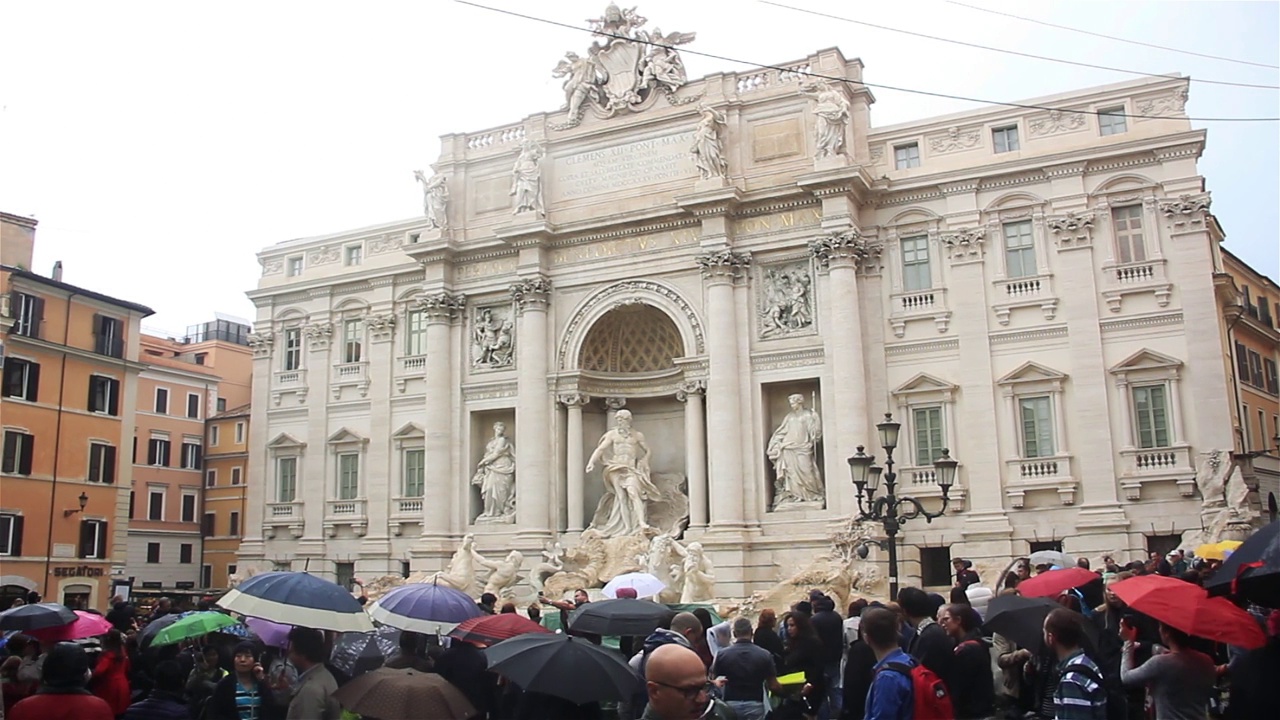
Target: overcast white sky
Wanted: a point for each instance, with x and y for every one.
(161, 144)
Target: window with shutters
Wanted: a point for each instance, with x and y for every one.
(158, 452)
(292, 349)
(929, 436)
(155, 504)
(190, 456)
(10, 534)
(193, 406)
(414, 472)
(348, 476)
(162, 401)
(415, 337)
(1255, 370)
(104, 395)
(1242, 362)
(93, 539)
(108, 336)
(286, 479)
(153, 552)
(233, 527)
(915, 264)
(235, 476)
(185, 553)
(102, 463)
(1273, 378)
(188, 507)
(211, 478)
(207, 524)
(1151, 415)
(19, 450)
(1130, 246)
(1019, 250)
(1036, 416)
(21, 379)
(28, 314)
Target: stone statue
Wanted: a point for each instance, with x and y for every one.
(526, 179)
(695, 575)
(626, 480)
(495, 476)
(552, 563)
(505, 573)
(1224, 508)
(661, 64)
(832, 113)
(788, 304)
(435, 199)
(491, 339)
(791, 448)
(583, 78)
(461, 574)
(707, 150)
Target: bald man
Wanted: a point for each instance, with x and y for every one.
(678, 689)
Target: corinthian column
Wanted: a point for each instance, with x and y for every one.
(695, 449)
(442, 309)
(722, 269)
(533, 406)
(575, 481)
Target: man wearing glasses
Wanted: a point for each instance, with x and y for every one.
(678, 688)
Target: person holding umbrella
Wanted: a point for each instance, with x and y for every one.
(313, 696)
(1180, 680)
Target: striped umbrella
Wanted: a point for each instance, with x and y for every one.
(298, 598)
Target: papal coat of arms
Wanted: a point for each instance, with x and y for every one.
(624, 71)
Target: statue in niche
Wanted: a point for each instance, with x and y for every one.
(788, 304)
(491, 340)
(526, 179)
(627, 485)
(504, 573)
(832, 115)
(791, 449)
(495, 476)
(461, 574)
(695, 575)
(706, 150)
(435, 199)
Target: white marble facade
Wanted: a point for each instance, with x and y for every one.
(1007, 306)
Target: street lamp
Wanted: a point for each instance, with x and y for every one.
(84, 500)
(890, 509)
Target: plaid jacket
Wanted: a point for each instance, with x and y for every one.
(1080, 694)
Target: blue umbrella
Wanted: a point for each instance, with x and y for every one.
(36, 616)
(298, 598)
(425, 608)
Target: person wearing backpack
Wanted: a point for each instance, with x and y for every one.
(901, 688)
(973, 690)
(1080, 694)
(931, 645)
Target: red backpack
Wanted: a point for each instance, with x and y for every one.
(931, 699)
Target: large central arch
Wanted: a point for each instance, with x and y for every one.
(621, 294)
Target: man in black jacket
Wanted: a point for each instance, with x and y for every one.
(972, 686)
(829, 626)
(931, 646)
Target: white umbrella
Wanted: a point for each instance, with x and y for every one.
(297, 598)
(644, 584)
(1051, 557)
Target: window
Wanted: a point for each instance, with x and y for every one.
(1264, 312)
(351, 341)
(153, 552)
(1163, 544)
(1005, 139)
(162, 401)
(206, 576)
(28, 314)
(1128, 224)
(1255, 370)
(102, 463)
(239, 433)
(213, 436)
(1273, 379)
(93, 539)
(210, 478)
(935, 566)
(188, 508)
(292, 349)
(193, 406)
(927, 423)
(1045, 546)
(286, 479)
(1151, 413)
(353, 255)
(221, 405)
(915, 264)
(207, 523)
(345, 573)
(184, 553)
(906, 156)
(1242, 362)
(19, 448)
(231, 569)
(202, 358)
(1111, 121)
(1262, 431)
(348, 476)
(104, 395)
(414, 472)
(108, 336)
(235, 476)
(10, 535)
(1019, 250)
(293, 266)
(155, 505)
(21, 379)
(158, 452)
(234, 526)
(415, 337)
(190, 456)
(1037, 426)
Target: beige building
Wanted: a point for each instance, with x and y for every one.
(1020, 285)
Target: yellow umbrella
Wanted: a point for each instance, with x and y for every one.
(1218, 550)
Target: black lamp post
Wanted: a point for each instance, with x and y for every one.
(889, 508)
(84, 500)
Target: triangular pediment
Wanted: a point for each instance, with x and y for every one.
(1031, 371)
(922, 383)
(409, 430)
(345, 436)
(285, 440)
(1146, 359)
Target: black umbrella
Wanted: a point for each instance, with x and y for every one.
(356, 653)
(564, 666)
(1021, 620)
(1253, 570)
(154, 627)
(624, 616)
(36, 616)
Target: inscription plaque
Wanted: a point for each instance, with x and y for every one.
(619, 167)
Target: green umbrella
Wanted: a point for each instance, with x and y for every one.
(194, 625)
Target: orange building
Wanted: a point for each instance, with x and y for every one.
(225, 481)
(67, 413)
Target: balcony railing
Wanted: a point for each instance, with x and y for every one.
(1148, 276)
(350, 372)
(1047, 473)
(345, 512)
(291, 378)
(1033, 291)
(413, 364)
(283, 514)
(1141, 466)
(919, 305)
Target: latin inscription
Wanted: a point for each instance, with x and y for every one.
(624, 246)
(629, 165)
(486, 268)
(804, 217)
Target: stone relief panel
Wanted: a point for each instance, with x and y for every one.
(774, 139)
(492, 337)
(954, 140)
(385, 244)
(785, 300)
(325, 255)
(1055, 122)
(1172, 104)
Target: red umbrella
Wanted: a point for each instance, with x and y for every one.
(1050, 584)
(490, 629)
(1189, 608)
(87, 625)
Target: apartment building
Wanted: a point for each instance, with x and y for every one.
(225, 481)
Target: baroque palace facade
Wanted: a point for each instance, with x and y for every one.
(1029, 288)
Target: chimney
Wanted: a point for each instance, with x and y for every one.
(57, 271)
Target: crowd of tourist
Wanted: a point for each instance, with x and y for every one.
(921, 656)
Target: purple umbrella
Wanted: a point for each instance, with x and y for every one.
(271, 634)
(425, 608)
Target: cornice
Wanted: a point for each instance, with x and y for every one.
(929, 346)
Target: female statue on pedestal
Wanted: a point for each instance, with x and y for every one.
(832, 113)
(791, 448)
(495, 475)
